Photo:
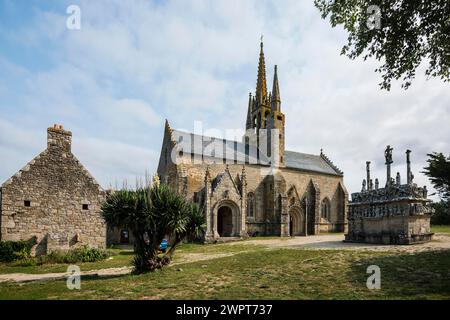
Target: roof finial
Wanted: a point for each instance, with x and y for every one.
(262, 38)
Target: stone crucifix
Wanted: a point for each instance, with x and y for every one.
(368, 174)
(409, 175)
(388, 157)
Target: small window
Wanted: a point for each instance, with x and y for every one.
(27, 203)
(280, 118)
(85, 207)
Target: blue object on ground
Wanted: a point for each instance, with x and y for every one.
(163, 245)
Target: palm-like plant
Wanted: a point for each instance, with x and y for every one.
(152, 214)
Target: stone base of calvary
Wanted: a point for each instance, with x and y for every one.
(396, 214)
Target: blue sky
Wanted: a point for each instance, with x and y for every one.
(134, 63)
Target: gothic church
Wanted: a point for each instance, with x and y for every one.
(255, 186)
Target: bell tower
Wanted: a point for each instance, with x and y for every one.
(264, 114)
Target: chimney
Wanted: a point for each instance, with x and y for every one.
(59, 139)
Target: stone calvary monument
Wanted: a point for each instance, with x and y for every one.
(396, 214)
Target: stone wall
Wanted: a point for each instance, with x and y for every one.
(55, 199)
(188, 178)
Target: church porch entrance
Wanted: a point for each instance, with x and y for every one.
(225, 221)
(297, 223)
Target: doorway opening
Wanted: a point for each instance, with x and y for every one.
(225, 221)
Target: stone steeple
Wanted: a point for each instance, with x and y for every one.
(261, 85)
(276, 99)
(248, 123)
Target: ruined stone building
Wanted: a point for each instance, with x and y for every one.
(255, 186)
(54, 199)
(396, 214)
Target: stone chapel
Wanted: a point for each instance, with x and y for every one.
(254, 186)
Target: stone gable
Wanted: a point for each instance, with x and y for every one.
(55, 199)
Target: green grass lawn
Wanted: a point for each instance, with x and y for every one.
(265, 274)
(440, 229)
(119, 258)
(124, 257)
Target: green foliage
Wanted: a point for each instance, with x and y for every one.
(153, 214)
(441, 215)
(438, 171)
(15, 250)
(84, 254)
(411, 32)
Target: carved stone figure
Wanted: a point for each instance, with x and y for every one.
(398, 179)
(388, 155)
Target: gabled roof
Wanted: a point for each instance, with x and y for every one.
(196, 144)
(30, 164)
(309, 162)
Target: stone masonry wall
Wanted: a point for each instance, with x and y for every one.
(54, 199)
(190, 179)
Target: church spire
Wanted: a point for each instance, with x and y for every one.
(276, 99)
(249, 124)
(261, 85)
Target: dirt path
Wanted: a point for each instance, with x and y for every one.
(109, 272)
(322, 242)
(27, 277)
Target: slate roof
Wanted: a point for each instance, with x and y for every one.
(190, 144)
(309, 162)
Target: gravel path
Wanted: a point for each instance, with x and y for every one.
(439, 242)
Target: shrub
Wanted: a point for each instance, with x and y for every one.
(84, 254)
(89, 255)
(15, 250)
(441, 215)
(78, 255)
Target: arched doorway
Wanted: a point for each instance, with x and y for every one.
(297, 222)
(225, 221)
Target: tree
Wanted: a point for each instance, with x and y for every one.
(438, 171)
(401, 34)
(151, 214)
(441, 215)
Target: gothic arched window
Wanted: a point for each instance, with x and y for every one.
(250, 205)
(325, 213)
